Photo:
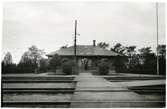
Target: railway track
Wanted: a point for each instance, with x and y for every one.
(35, 91)
(67, 103)
(57, 96)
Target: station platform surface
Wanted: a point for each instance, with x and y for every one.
(106, 99)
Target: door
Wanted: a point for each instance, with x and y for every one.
(85, 63)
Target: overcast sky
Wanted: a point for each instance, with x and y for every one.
(49, 25)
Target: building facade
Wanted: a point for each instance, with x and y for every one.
(87, 55)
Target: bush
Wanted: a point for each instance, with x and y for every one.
(26, 67)
(162, 66)
(9, 68)
(103, 67)
(120, 63)
(55, 62)
(24, 70)
(20, 68)
(43, 65)
(67, 67)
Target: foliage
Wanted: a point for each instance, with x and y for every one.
(103, 67)
(7, 65)
(148, 58)
(146, 54)
(67, 66)
(162, 50)
(8, 68)
(145, 51)
(162, 65)
(25, 57)
(55, 62)
(44, 64)
(118, 48)
(142, 62)
(130, 52)
(128, 58)
(8, 59)
(162, 59)
(120, 63)
(35, 54)
(26, 65)
(30, 60)
(103, 45)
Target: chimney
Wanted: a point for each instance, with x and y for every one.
(94, 42)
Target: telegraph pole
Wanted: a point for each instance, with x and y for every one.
(157, 38)
(75, 45)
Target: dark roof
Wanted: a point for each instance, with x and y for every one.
(84, 50)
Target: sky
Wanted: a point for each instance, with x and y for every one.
(50, 25)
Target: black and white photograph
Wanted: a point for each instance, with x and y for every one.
(83, 54)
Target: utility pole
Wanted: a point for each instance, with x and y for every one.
(75, 45)
(157, 38)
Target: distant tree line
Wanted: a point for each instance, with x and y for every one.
(143, 60)
(131, 60)
(33, 61)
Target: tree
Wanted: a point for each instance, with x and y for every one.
(26, 64)
(162, 59)
(7, 64)
(118, 48)
(162, 50)
(147, 60)
(103, 67)
(132, 56)
(55, 61)
(120, 62)
(130, 50)
(145, 51)
(36, 55)
(103, 45)
(44, 65)
(31, 58)
(145, 54)
(67, 66)
(26, 57)
(8, 59)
